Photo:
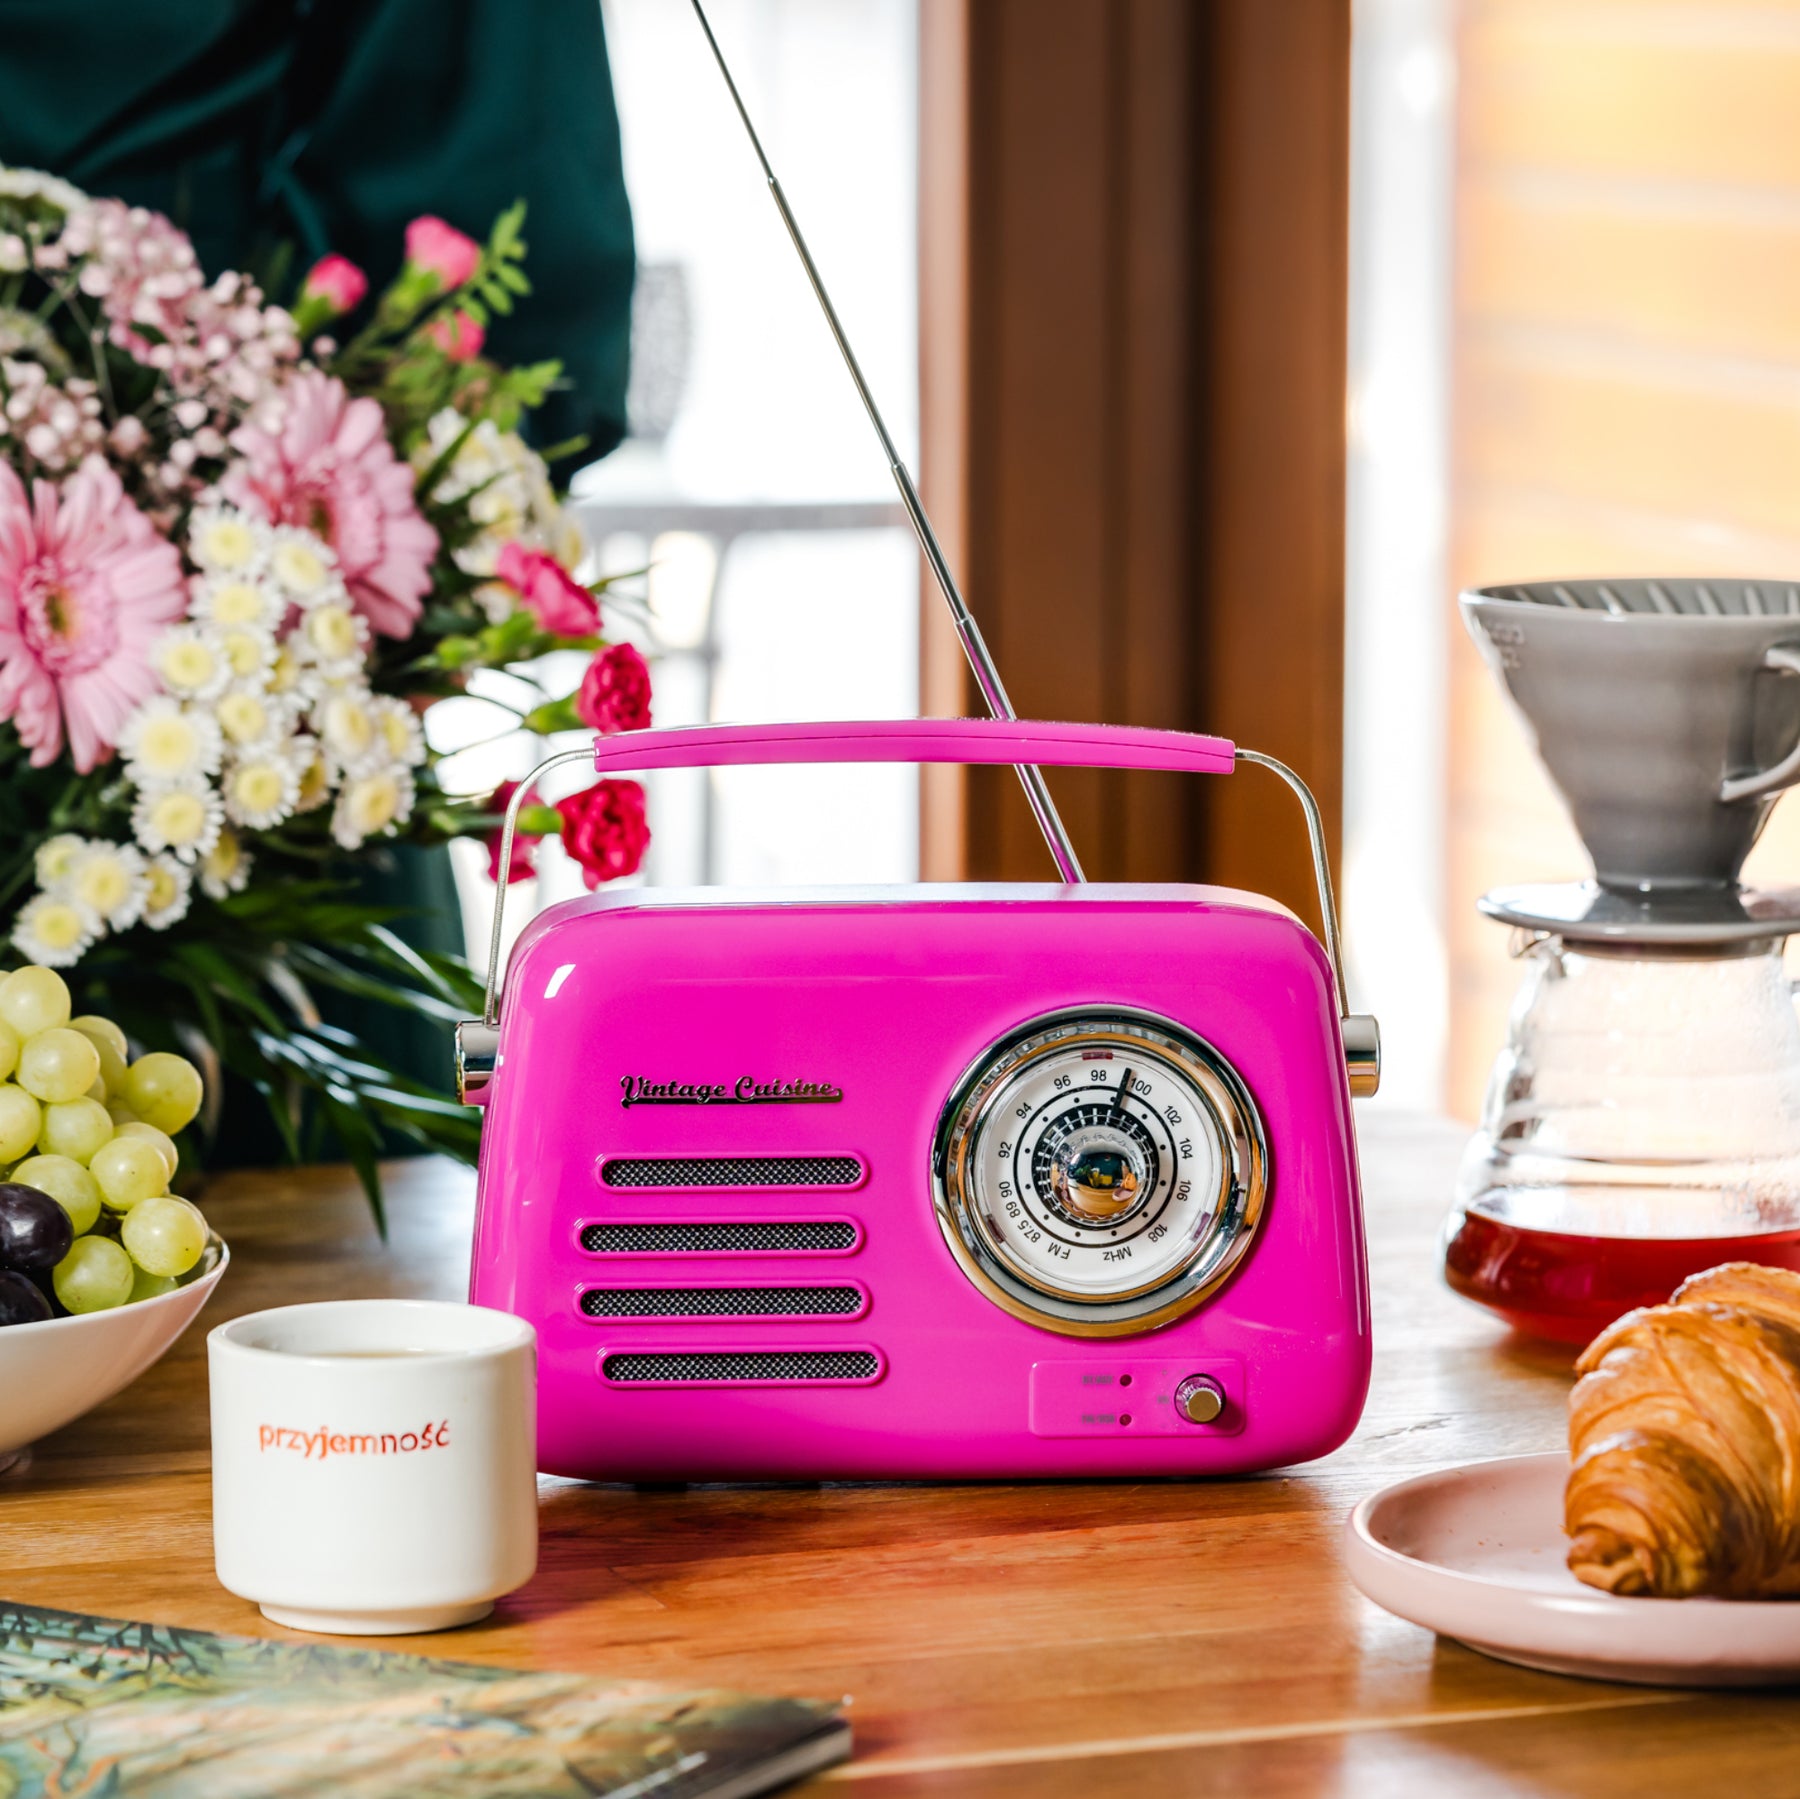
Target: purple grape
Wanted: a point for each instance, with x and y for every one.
(35, 1231)
(20, 1301)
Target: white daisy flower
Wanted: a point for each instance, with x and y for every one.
(54, 932)
(372, 805)
(315, 773)
(108, 880)
(34, 184)
(223, 541)
(497, 601)
(401, 732)
(346, 723)
(249, 651)
(564, 537)
(191, 662)
(183, 817)
(509, 496)
(260, 787)
(331, 638)
(238, 600)
(225, 868)
(168, 892)
(251, 714)
(302, 564)
(288, 677)
(54, 859)
(167, 741)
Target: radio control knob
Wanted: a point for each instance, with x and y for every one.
(1199, 1399)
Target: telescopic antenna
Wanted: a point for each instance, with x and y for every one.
(987, 676)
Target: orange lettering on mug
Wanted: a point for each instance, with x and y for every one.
(317, 1445)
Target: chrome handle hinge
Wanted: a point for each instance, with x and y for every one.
(477, 1055)
(1362, 1052)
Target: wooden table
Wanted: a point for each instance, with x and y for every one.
(1149, 1638)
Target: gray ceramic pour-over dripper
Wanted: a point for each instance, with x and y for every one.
(1667, 712)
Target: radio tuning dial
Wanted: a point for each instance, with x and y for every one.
(1099, 1173)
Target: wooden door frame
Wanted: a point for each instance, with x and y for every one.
(1166, 505)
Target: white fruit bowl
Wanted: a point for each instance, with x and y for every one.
(53, 1372)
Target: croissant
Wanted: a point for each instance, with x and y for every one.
(1684, 1431)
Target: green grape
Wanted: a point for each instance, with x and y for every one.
(67, 1182)
(102, 1030)
(9, 1051)
(33, 1000)
(163, 1090)
(58, 1065)
(94, 1276)
(73, 1128)
(129, 1171)
(136, 1127)
(120, 1113)
(20, 1119)
(164, 1235)
(149, 1286)
(109, 1040)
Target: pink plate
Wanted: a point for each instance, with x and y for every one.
(1476, 1553)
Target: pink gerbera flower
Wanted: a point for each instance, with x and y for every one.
(86, 586)
(330, 468)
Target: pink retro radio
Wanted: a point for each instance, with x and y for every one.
(926, 1181)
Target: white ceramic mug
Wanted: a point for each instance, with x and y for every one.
(374, 1462)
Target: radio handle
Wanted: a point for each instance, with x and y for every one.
(969, 741)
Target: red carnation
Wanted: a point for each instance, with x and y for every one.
(605, 830)
(441, 250)
(524, 849)
(458, 336)
(615, 691)
(563, 606)
(335, 284)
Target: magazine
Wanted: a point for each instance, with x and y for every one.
(100, 1706)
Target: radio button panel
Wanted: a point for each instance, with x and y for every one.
(1114, 1397)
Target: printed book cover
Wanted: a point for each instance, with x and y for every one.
(108, 1709)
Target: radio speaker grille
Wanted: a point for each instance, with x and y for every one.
(792, 1236)
(721, 1302)
(746, 1365)
(732, 1171)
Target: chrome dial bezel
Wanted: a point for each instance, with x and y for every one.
(1214, 1255)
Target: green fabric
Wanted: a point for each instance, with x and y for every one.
(328, 124)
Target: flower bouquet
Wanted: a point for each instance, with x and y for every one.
(242, 552)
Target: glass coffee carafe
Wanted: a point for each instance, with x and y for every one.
(1643, 1119)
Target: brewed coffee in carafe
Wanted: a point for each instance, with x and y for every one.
(1643, 1119)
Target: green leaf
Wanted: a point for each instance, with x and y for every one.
(439, 466)
(339, 1104)
(331, 972)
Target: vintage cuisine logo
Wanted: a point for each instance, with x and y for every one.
(316, 1445)
(746, 1090)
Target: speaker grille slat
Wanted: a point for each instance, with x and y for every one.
(721, 1237)
(722, 1367)
(721, 1302)
(732, 1171)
